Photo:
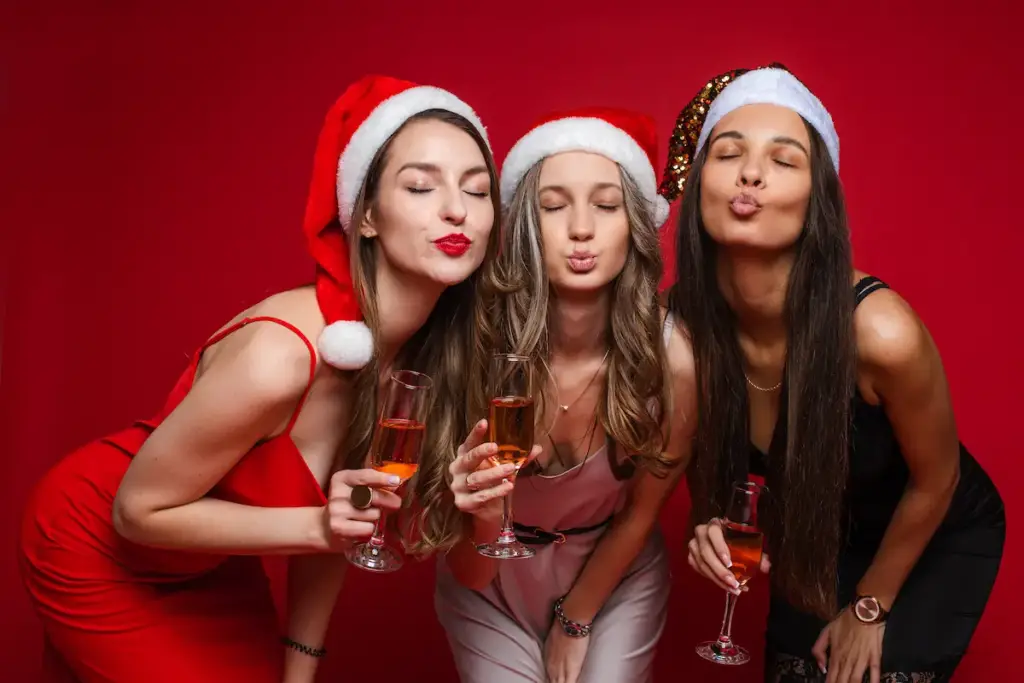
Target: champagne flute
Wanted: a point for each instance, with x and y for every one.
(744, 539)
(395, 449)
(511, 423)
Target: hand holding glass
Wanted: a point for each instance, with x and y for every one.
(744, 539)
(395, 449)
(511, 422)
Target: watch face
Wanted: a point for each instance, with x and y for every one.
(867, 609)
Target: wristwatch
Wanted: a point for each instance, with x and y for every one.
(868, 610)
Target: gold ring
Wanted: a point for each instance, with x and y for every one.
(361, 497)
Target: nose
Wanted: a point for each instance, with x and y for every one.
(751, 173)
(581, 224)
(453, 212)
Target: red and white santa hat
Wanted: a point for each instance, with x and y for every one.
(366, 115)
(628, 138)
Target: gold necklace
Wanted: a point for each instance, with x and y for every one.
(766, 390)
(565, 406)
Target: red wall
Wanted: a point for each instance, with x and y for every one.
(156, 171)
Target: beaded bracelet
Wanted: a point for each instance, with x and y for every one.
(304, 649)
(573, 629)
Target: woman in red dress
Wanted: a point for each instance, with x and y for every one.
(140, 551)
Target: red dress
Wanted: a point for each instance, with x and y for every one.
(119, 612)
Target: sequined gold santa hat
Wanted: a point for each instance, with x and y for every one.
(361, 121)
(628, 138)
(773, 84)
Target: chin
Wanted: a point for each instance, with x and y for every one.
(453, 273)
(574, 283)
(750, 234)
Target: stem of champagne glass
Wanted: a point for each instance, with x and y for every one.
(506, 536)
(725, 637)
(377, 539)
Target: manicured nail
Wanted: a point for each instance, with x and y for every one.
(394, 480)
(726, 561)
(508, 469)
(737, 592)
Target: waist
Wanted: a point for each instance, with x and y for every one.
(535, 535)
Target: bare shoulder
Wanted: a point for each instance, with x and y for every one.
(888, 332)
(265, 356)
(679, 355)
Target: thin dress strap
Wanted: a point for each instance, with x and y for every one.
(287, 325)
(865, 286)
(667, 329)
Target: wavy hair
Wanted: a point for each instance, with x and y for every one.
(513, 317)
(440, 348)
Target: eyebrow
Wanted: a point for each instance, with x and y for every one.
(778, 139)
(434, 169)
(597, 188)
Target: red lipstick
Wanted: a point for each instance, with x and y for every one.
(454, 245)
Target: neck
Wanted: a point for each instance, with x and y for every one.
(578, 325)
(404, 302)
(754, 285)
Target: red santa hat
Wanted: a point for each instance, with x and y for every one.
(366, 115)
(627, 138)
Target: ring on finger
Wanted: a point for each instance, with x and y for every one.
(361, 497)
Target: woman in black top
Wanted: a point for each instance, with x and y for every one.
(884, 534)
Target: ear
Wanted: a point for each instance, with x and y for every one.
(366, 228)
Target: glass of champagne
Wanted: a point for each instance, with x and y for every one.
(395, 449)
(511, 423)
(744, 539)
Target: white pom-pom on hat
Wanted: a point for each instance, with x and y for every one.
(346, 344)
(359, 123)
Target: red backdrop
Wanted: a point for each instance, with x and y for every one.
(156, 174)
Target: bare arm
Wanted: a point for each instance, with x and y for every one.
(906, 373)
(249, 390)
(630, 529)
(314, 583)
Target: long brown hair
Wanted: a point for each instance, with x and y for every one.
(513, 317)
(441, 348)
(807, 474)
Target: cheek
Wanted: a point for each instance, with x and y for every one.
(617, 245)
(399, 230)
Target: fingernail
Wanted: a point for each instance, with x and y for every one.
(824, 669)
(737, 592)
(492, 448)
(508, 469)
(394, 480)
(727, 561)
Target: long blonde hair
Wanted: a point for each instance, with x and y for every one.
(439, 349)
(514, 295)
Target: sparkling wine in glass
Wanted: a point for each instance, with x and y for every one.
(744, 539)
(511, 423)
(395, 449)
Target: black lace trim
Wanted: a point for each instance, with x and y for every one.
(783, 668)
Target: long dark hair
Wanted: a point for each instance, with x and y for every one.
(807, 472)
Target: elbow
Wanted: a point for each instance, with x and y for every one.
(129, 520)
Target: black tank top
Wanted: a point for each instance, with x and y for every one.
(878, 476)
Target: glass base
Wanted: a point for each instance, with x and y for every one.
(507, 547)
(374, 558)
(723, 652)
